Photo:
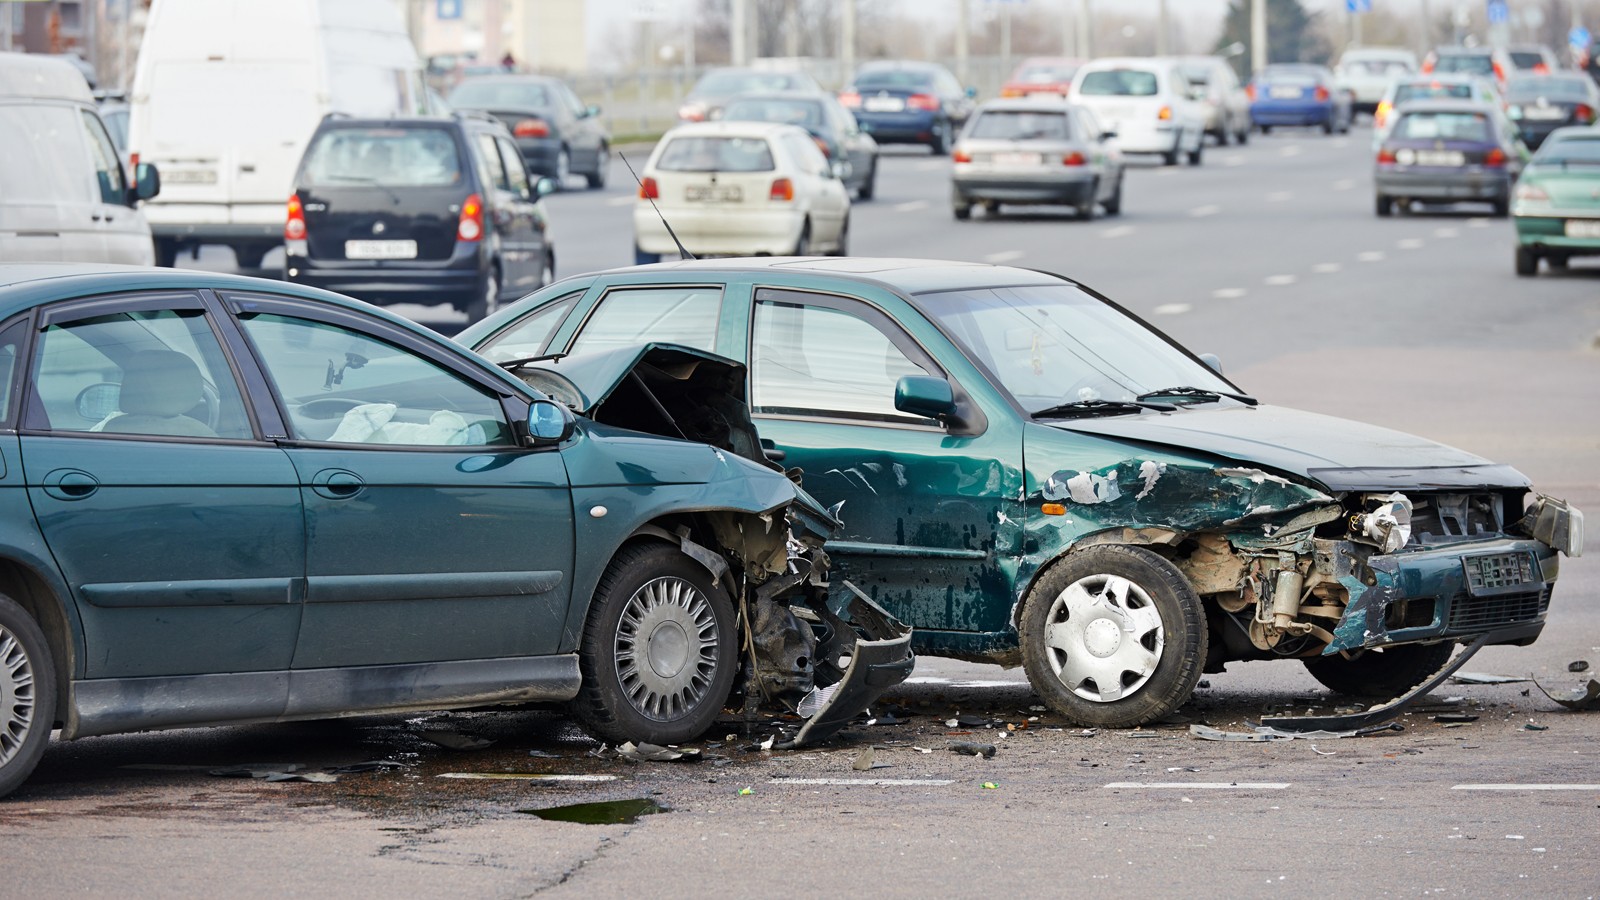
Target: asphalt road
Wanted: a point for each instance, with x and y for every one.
(1268, 255)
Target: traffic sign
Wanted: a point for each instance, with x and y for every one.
(1358, 6)
(1499, 12)
(446, 10)
(1579, 38)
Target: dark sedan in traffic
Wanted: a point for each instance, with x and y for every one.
(1539, 104)
(557, 133)
(903, 102)
(1446, 151)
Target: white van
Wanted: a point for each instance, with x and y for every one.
(64, 195)
(227, 92)
(1149, 104)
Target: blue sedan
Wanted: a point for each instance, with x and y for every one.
(1298, 94)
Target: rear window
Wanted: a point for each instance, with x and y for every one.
(804, 113)
(727, 84)
(1441, 126)
(392, 157)
(1584, 150)
(1465, 64)
(894, 80)
(1552, 88)
(1376, 67)
(1198, 75)
(498, 94)
(1288, 77)
(1423, 91)
(1042, 74)
(716, 154)
(1523, 59)
(1119, 83)
(1019, 125)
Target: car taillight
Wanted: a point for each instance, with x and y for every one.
(782, 189)
(1009, 91)
(1582, 112)
(1250, 91)
(1495, 158)
(1532, 193)
(692, 112)
(925, 102)
(648, 189)
(1499, 73)
(1386, 155)
(1427, 64)
(961, 156)
(534, 128)
(1073, 159)
(1165, 114)
(850, 99)
(294, 227)
(823, 146)
(1381, 113)
(1322, 94)
(470, 226)
(1541, 69)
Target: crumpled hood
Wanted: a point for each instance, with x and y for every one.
(1336, 453)
(590, 378)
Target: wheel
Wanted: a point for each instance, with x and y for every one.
(1527, 261)
(1195, 154)
(1113, 203)
(844, 239)
(1087, 204)
(991, 209)
(248, 257)
(1389, 672)
(563, 168)
(1502, 207)
(870, 184)
(27, 694)
(802, 244)
(940, 143)
(1113, 636)
(166, 253)
(488, 300)
(1266, 129)
(596, 180)
(1328, 126)
(547, 272)
(1170, 158)
(659, 655)
(1385, 205)
(962, 211)
(1221, 134)
(1243, 137)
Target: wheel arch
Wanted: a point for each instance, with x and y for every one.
(1161, 541)
(48, 606)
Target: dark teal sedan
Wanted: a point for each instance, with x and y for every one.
(226, 500)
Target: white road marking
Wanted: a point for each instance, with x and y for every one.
(1526, 787)
(621, 201)
(1119, 231)
(1370, 256)
(1344, 184)
(1445, 232)
(867, 782)
(1200, 785)
(1280, 280)
(1280, 196)
(911, 206)
(1200, 212)
(1325, 268)
(1291, 150)
(1233, 161)
(1172, 309)
(1229, 293)
(523, 776)
(1477, 222)
(1003, 256)
(1409, 243)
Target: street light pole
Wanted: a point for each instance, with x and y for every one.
(847, 41)
(1258, 35)
(1163, 31)
(1085, 45)
(963, 22)
(738, 31)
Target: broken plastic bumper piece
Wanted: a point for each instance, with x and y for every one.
(879, 649)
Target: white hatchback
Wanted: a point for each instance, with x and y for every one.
(740, 189)
(1147, 102)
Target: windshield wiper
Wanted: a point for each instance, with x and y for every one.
(1201, 395)
(1082, 408)
(529, 360)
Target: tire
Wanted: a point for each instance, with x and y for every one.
(1327, 127)
(1086, 206)
(248, 256)
(939, 145)
(659, 653)
(1527, 261)
(1169, 642)
(563, 169)
(1556, 262)
(1198, 151)
(487, 302)
(27, 694)
(962, 211)
(844, 239)
(802, 244)
(1384, 205)
(1502, 207)
(1243, 137)
(1379, 673)
(1266, 129)
(870, 185)
(1113, 203)
(596, 180)
(166, 253)
(547, 272)
(1171, 158)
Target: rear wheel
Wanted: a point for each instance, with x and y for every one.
(1389, 672)
(843, 249)
(870, 184)
(1527, 261)
(1113, 203)
(1087, 204)
(1385, 205)
(563, 168)
(1170, 158)
(1266, 129)
(802, 244)
(962, 211)
(248, 256)
(1243, 137)
(27, 694)
(487, 303)
(166, 252)
(1197, 152)
(940, 142)
(597, 179)
(1502, 207)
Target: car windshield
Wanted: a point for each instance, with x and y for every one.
(1423, 90)
(1288, 77)
(894, 80)
(1045, 74)
(392, 157)
(1444, 126)
(804, 113)
(1465, 63)
(1570, 151)
(1053, 344)
(1551, 88)
(1119, 83)
(1020, 125)
(497, 94)
(716, 154)
(1526, 59)
(729, 83)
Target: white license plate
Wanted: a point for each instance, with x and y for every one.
(1286, 93)
(883, 104)
(189, 176)
(1582, 228)
(1545, 113)
(1441, 158)
(380, 249)
(713, 194)
(1018, 159)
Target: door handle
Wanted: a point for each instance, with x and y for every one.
(70, 484)
(337, 484)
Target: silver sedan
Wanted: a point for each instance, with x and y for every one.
(1030, 152)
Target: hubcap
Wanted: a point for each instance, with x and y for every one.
(666, 648)
(16, 696)
(1103, 637)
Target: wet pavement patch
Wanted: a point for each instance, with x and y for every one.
(609, 812)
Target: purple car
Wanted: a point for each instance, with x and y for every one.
(1447, 151)
(1298, 94)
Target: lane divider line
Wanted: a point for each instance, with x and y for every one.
(1525, 787)
(1199, 785)
(867, 782)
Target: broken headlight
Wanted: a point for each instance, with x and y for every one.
(1556, 523)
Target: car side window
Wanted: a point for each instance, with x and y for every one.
(342, 386)
(805, 153)
(572, 101)
(677, 314)
(817, 360)
(494, 171)
(149, 372)
(527, 337)
(516, 173)
(108, 168)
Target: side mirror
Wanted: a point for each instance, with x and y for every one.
(1107, 135)
(592, 111)
(1212, 361)
(838, 170)
(924, 395)
(146, 182)
(543, 188)
(549, 422)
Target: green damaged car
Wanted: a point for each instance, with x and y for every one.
(1557, 203)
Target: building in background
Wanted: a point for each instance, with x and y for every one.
(541, 35)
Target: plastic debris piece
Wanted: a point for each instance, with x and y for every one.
(450, 740)
(1578, 665)
(1142, 734)
(543, 754)
(967, 720)
(990, 786)
(969, 748)
(746, 791)
(256, 770)
(523, 776)
(1580, 699)
(866, 762)
(373, 765)
(645, 752)
(1455, 717)
(923, 749)
(1486, 678)
(1529, 726)
(1264, 733)
(1321, 752)
(1171, 769)
(309, 777)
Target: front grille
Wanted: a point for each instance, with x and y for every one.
(1468, 613)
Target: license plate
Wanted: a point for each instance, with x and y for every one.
(189, 176)
(380, 249)
(1499, 573)
(713, 194)
(1441, 158)
(1543, 112)
(1018, 159)
(1582, 228)
(883, 104)
(1286, 93)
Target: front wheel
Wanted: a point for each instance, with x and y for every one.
(869, 185)
(1113, 636)
(27, 694)
(1527, 262)
(488, 300)
(659, 654)
(1383, 205)
(1385, 673)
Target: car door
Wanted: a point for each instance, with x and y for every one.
(125, 236)
(924, 510)
(585, 129)
(432, 533)
(512, 215)
(177, 526)
(530, 213)
(829, 201)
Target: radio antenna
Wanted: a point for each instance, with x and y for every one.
(683, 252)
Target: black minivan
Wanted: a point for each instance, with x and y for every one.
(418, 210)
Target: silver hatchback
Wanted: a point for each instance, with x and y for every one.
(1031, 152)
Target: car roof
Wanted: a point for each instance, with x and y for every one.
(1129, 62)
(907, 276)
(726, 128)
(781, 95)
(25, 75)
(1028, 104)
(1378, 53)
(462, 117)
(1464, 51)
(1447, 104)
(509, 77)
(24, 285)
(1441, 77)
(879, 64)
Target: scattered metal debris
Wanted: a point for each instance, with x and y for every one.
(524, 776)
(1264, 733)
(371, 765)
(308, 777)
(543, 754)
(969, 748)
(645, 752)
(1455, 717)
(1579, 699)
(450, 740)
(866, 762)
(1578, 665)
(1486, 678)
(1383, 712)
(1529, 726)
(257, 770)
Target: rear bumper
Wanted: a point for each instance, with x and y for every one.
(1155, 137)
(456, 281)
(539, 155)
(898, 128)
(1071, 188)
(1444, 184)
(719, 231)
(1296, 114)
(1549, 232)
